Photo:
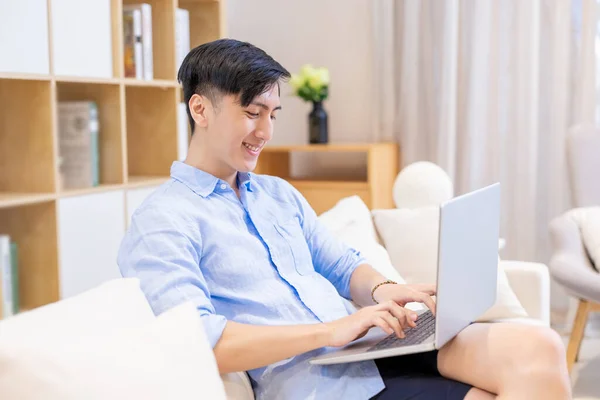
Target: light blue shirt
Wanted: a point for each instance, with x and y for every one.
(261, 259)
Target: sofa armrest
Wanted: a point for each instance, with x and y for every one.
(237, 386)
(531, 283)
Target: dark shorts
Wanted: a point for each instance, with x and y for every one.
(416, 377)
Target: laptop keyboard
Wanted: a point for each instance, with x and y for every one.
(425, 328)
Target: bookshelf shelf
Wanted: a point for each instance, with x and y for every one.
(8, 199)
(102, 188)
(83, 79)
(201, 1)
(153, 83)
(143, 181)
(166, 83)
(26, 77)
(138, 123)
(317, 148)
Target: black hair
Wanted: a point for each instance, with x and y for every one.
(228, 66)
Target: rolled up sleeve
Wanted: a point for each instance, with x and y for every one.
(331, 257)
(163, 251)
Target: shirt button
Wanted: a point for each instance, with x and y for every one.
(223, 186)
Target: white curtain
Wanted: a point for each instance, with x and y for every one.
(487, 89)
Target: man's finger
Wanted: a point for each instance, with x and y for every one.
(380, 322)
(426, 288)
(393, 323)
(412, 316)
(425, 298)
(402, 315)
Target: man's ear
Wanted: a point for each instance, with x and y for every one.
(199, 110)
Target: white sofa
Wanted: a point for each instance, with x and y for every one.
(121, 304)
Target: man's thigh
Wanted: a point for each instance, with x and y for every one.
(416, 376)
(484, 354)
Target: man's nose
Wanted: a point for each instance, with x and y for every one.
(264, 131)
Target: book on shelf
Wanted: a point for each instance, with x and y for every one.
(9, 277)
(132, 44)
(78, 137)
(137, 23)
(182, 36)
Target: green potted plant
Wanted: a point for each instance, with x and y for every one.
(312, 84)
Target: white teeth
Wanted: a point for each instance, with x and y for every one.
(253, 148)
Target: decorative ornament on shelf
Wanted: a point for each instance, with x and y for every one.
(312, 84)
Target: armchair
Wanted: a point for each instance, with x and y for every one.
(570, 264)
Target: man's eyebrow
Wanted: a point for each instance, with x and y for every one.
(263, 105)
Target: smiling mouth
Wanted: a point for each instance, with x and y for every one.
(251, 147)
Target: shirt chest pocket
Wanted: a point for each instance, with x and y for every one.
(293, 241)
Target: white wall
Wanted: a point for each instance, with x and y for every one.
(331, 33)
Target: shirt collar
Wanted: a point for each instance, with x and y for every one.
(244, 179)
(201, 182)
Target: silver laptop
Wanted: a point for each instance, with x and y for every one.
(466, 281)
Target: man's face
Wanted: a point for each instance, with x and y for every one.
(237, 134)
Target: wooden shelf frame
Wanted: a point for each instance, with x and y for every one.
(16, 199)
(138, 136)
(129, 98)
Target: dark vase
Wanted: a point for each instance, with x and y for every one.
(317, 123)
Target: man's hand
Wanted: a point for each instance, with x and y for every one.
(389, 316)
(403, 294)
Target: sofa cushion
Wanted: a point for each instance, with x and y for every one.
(110, 306)
(588, 221)
(350, 220)
(168, 357)
(349, 217)
(411, 238)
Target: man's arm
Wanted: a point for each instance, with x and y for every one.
(243, 347)
(348, 271)
(363, 280)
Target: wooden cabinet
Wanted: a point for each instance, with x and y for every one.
(323, 191)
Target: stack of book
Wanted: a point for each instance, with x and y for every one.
(137, 40)
(78, 136)
(9, 277)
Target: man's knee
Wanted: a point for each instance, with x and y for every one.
(541, 354)
(547, 346)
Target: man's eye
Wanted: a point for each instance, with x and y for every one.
(253, 115)
(273, 117)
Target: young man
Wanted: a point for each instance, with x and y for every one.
(267, 279)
